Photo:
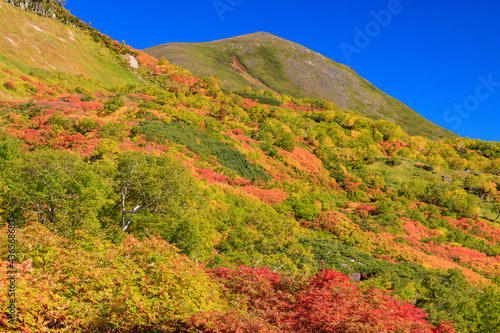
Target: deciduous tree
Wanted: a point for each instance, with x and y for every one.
(55, 186)
(147, 183)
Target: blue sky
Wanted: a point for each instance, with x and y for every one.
(441, 58)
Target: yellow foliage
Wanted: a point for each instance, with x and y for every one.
(327, 142)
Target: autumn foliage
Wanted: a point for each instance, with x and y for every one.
(326, 302)
(281, 202)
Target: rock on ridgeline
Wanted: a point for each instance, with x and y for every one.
(131, 60)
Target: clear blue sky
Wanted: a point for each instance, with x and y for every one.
(439, 57)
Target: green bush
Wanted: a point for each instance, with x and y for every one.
(148, 105)
(113, 105)
(303, 207)
(86, 125)
(201, 142)
(395, 161)
(272, 132)
(59, 121)
(115, 131)
(10, 148)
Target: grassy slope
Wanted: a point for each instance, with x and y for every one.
(47, 48)
(292, 69)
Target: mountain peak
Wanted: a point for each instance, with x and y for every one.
(251, 37)
(261, 59)
(261, 33)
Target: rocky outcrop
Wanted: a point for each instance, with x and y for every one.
(132, 61)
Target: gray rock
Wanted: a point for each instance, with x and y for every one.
(356, 277)
(346, 265)
(131, 60)
(447, 179)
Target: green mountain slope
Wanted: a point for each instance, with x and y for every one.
(35, 45)
(262, 60)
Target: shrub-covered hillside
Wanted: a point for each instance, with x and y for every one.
(166, 204)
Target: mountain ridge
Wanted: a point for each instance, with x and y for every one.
(292, 69)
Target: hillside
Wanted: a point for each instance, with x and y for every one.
(40, 47)
(164, 203)
(264, 61)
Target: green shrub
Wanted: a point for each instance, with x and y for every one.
(113, 105)
(387, 129)
(272, 132)
(115, 131)
(107, 147)
(87, 97)
(59, 121)
(9, 149)
(148, 105)
(201, 142)
(303, 207)
(86, 125)
(395, 161)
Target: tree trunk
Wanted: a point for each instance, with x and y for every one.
(125, 225)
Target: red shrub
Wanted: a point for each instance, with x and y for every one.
(212, 176)
(32, 137)
(366, 208)
(147, 60)
(25, 78)
(247, 103)
(10, 85)
(331, 221)
(331, 303)
(267, 196)
(351, 186)
(328, 302)
(184, 80)
(240, 182)
(64, 141)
